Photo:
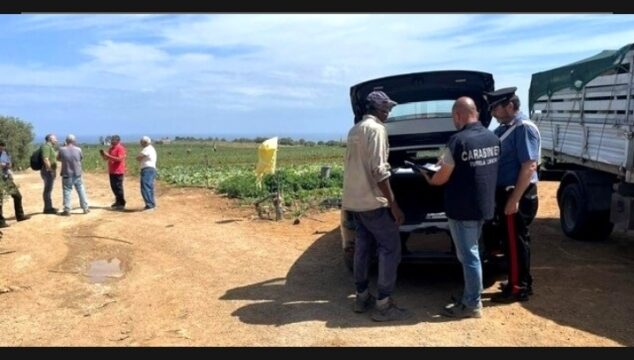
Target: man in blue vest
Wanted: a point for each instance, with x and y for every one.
(516, 193)
(469, 168)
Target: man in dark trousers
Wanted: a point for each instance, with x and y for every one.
(516, 193)
(116, 169)
(368, 196)
(49, 171)
(469, 168)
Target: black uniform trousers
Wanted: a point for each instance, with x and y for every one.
(527, 209)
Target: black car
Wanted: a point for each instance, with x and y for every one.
(418, 129)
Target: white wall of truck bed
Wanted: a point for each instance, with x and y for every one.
(599, 128)
(606, 144)
(605, 96)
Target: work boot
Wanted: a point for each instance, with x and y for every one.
(364, 303)
(389, 311)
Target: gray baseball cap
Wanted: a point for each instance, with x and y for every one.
(379, 100)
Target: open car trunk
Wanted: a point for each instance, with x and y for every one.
(418, 128)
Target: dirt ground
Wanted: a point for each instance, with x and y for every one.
(202, 271)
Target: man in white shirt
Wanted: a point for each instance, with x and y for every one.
(147, 164)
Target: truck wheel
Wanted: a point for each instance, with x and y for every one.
(579, 223)
(572, 212)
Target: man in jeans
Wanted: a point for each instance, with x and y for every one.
(368, 196)
(116, 168)
(469, 167)
(48, 171)
(147, 164)
(70, 157)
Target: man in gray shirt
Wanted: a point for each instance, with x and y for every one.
(71, 156)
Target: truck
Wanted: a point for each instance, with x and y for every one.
(584, 113)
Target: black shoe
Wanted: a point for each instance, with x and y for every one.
(50, 211)
(22, 218)
(3, 224)
(363, 305)
(389, 312)
(504, 284)
(507, 297)
(65, 213)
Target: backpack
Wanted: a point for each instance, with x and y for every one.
(36, 159)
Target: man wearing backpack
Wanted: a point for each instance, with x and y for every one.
(8, 186)
(49, 158)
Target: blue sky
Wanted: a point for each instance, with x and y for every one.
(261, 74)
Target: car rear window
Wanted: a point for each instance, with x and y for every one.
(421, 110)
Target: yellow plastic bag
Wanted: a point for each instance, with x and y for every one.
(267, 156)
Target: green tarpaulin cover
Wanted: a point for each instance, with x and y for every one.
(574, 75)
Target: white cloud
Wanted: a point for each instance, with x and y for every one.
(247, 62)
(112, 53)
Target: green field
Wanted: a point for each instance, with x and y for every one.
(230, 170)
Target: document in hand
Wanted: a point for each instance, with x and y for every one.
(427, 167)
(431, 167)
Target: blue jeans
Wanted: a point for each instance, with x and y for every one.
(67, 185)
(465, 236)
(49, 180)
(147, 186)
(376, 226)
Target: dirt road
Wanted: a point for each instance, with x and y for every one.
(201, 271)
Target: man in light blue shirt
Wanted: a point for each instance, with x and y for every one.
(516, 194)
